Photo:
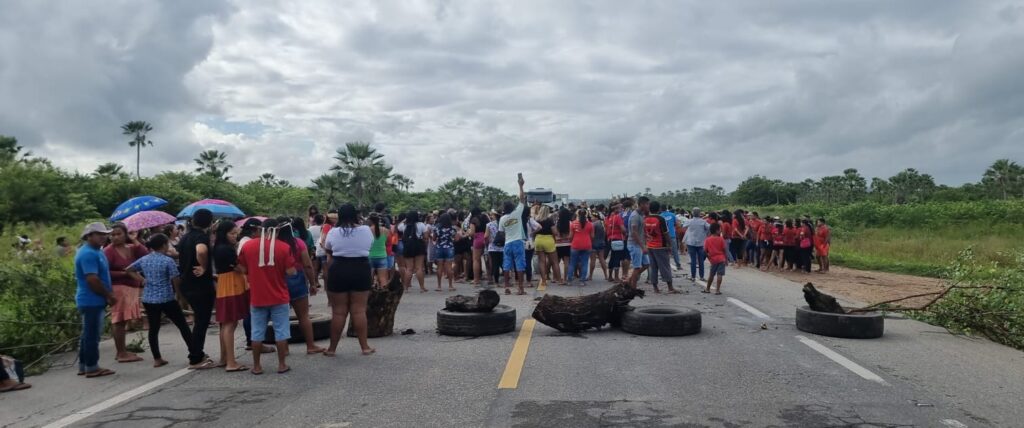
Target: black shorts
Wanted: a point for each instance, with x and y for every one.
(349, 274)
(616, 258)
(563, 252)
(414, 248)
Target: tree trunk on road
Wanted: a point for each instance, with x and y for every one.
(484, 302)
(576, 314)
(821, 302)
(381, 308)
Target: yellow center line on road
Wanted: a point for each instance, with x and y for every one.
(514, 367)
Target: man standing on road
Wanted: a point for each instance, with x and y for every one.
(197, 286)
(514, 227)
(696, 232)
(670, 222)
(637, 240)
(94, 293)
(266, 261)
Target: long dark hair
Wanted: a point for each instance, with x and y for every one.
(564, 218)
(348, 218)
(299, 225)
(740, 221)
(223, 229)
(581, 215)
(375, 224)
(411, 221)
(284, 234)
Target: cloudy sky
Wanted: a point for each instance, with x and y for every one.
(585, 97)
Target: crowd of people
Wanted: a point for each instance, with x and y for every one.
(259, 272)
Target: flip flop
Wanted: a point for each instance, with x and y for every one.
(205, 365)
(159, 364)
(520, 293)
(320, 351)
(130, 360)
(255, 372)
(17, 387)
(240, 368)
(673, 292)
(705, 291)
(508, 292)
(286, 370)
(370, 352)
(100, 373)
(329, 354)
(718, 293)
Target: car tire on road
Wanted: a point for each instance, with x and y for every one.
(662, 320)
(847, 326)
(501, 320)
(321, 329)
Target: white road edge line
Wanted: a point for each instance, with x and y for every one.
(117, 399)
(953, 423)
(843, 361)
(748, 308)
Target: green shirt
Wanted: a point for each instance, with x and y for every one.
(378, 250)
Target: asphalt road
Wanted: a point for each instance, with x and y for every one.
(732, 374)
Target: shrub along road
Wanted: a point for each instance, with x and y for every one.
(734, 373)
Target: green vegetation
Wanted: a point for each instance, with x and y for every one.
(987, 299)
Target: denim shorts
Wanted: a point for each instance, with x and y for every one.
(297, 286)
(277, 314)
(514, 257)
(391, 262)
(717, 269)
(637, 258)
(598, 246)
(444, 253)
(381, 263)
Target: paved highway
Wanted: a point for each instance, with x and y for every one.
(733, 374)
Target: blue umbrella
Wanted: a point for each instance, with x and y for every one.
(219, 211)
(136, 205)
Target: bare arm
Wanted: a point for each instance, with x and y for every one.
(202, 255)
(522, 193)
(307, 268)
(96, 286)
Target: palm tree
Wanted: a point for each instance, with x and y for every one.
(110, 170)
(401, 182)
(138, 130)
(213, 163)
(1002, 175)
(361, 169)
(271, 180)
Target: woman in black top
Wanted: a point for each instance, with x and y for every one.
(232, 295)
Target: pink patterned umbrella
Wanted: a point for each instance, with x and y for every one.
(147, 219)
(241, 222)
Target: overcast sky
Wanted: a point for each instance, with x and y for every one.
(588, 97)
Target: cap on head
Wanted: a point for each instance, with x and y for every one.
(92, 228)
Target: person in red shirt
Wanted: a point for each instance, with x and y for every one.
(778, 246)
(717, 252)
(266, 261)
(822, 243)
(789, 249)
(581, 234)
(659, 247)
(616, 230)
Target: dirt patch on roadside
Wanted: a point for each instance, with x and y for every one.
(868, 286)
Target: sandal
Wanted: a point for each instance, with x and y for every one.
(240, 368)
(99, 373)
(370, 351)
(256, 372)
(205, 365)
(705, 291)
(132, 359)
(16, 387)
(508, 292)
(285, 370)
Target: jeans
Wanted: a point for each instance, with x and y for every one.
(581, 259)
(201, 298)
(173, 312)
(754, 252)
(675, 253)
(660, 265)
(89, 344)
(696, 260)
(497, 258)
(529, 265)
(728, 251)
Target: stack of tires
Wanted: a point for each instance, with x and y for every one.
(662, 320)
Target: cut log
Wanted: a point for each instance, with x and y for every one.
(576, 314)
(485, 301)
(381, 308)
(821, 302)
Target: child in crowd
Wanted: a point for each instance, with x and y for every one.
(715, 248)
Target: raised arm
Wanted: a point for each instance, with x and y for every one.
(522, 193)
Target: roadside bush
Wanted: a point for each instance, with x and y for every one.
(991, 304)
(37, 307)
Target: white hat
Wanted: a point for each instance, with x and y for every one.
(94, 228)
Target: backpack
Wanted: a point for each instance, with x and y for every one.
(499, 239)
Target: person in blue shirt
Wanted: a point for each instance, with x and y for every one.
(670, 220)
(94, 293)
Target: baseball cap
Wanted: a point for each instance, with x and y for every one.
(96, 227)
